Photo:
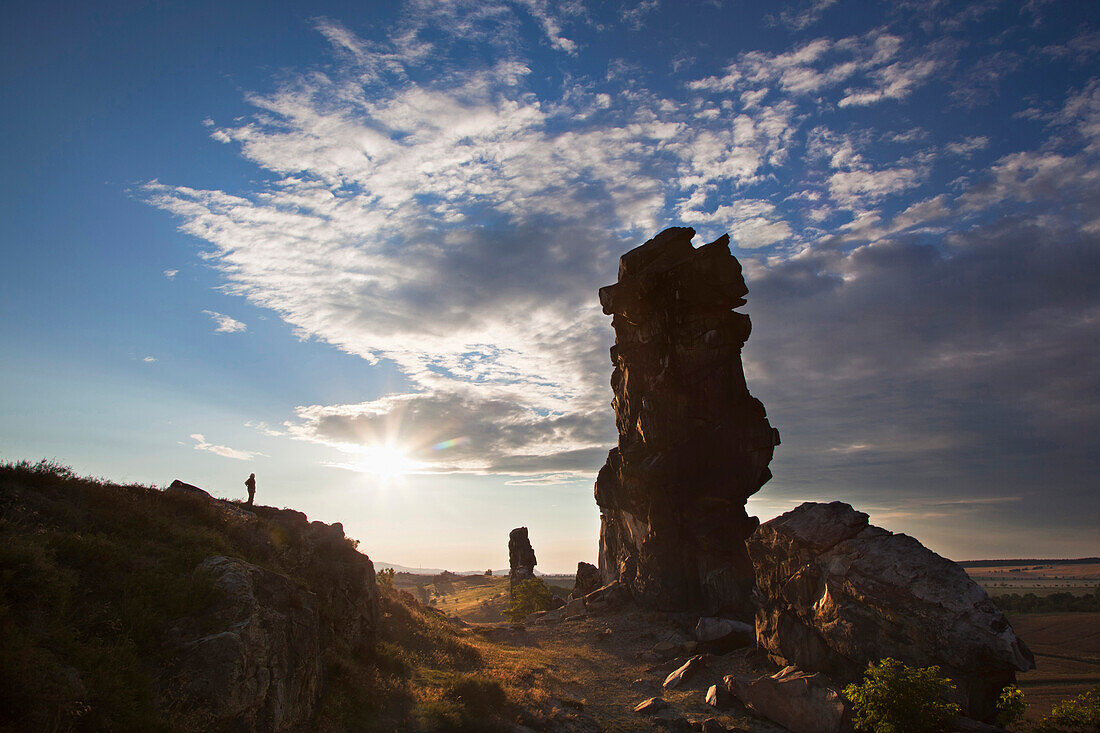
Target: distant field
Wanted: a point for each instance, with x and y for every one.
(1041, 578)
(1067, 657)
(473, 598)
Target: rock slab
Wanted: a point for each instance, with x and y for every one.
(835, 593)
(694, 445)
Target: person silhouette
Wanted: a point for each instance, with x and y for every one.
(250, 484)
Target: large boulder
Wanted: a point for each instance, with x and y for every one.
(521, 558)
(800, 702)
(835, 593)
(694, 445)
(254, 662)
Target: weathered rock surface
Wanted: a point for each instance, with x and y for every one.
(225, 507)
(521, 558)
(835, 593)
(261, 669)
(588, 579)
(800, 702)
(693, 443)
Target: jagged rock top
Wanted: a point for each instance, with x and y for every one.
(668, 265)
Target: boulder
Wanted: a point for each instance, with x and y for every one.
(574, 608)
(608, 597)
(260, 668)
(835, 593)
(723, 634)
(225, 507)
(800, 702)
(694, 445)
(588, 579)
(521, 558)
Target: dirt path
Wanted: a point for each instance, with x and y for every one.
(588, 674)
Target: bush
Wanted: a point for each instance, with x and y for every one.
(1077, 715)
(895, 698)
(528, 597)
(1010, 706)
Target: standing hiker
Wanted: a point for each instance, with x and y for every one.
(250, 484)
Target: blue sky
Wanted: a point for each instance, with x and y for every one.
(355, 248)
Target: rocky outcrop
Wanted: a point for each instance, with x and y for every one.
(588, 579)
(253, 660)
(835, 593)
(260, 668)
(521, 558)
(693, 443)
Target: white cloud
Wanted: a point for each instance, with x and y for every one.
(149, 359)
(221, 450)
(968, 146)
(171, 274)
(224, 323)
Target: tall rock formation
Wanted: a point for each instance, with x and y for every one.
(521, 558)
(694, 445)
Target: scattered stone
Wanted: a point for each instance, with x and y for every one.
(718, 696)
(836, 593)
(521, 558)
(688, 648)
(710, 725)
(651, 706)
(694, 445)
(588, 579)
(680, 674)
(800, 702)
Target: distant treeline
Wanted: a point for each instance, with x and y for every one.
(1055, 602)
(997, 563)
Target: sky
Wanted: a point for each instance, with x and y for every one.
(355, 247)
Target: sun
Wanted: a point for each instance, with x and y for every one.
(384, 461)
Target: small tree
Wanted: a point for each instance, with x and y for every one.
(895, 698)
(385, 580)
(1010, 706)
(528, 597)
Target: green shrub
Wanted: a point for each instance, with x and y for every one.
(385, 580)
(895, 698)
(1077, 715)
(1010, 706)
(528, 597)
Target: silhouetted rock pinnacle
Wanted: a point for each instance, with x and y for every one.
(694, 445)
(521, 557)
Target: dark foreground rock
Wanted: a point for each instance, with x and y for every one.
(694, 445)
(260, 669)
(835, 593)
